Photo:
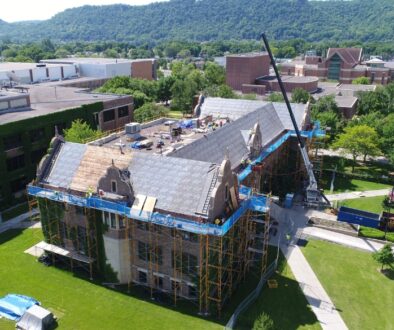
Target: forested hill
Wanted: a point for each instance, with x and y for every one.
(204, 20)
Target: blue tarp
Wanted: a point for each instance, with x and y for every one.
(13, 306)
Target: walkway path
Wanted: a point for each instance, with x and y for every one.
(358, 194)
(317, 297)
(294, 221)
(350, 241)
(17, 222)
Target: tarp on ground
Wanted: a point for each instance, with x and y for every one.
(36, 318)
(13, 306)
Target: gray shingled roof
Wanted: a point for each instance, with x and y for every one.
(213, 146)
(232, 108)
(235, 109)
(283, 113)
(66, 164)
(180, 185)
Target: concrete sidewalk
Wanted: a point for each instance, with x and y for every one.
(358, 194)
(317, 297)
(17, 221)
(347, 240)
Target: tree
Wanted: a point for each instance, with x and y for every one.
(361, 81)
(263, 322)
(326, 110)
(299, 95)
(80, 132)
(384, 256)
(275, 97)
(214, 74)
(149, 111)
(358, 140)
(164, 89)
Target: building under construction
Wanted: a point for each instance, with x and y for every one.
(181, 208)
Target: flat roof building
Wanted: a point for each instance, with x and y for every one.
(110, 67)
(28, 116)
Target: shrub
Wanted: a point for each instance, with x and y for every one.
(263, 322)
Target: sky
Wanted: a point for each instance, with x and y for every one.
(26, 10)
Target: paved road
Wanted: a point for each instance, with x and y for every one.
(358, 194)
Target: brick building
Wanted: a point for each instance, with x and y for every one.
(250, 73)
(341, 64)
(181, 219)
(28, 116)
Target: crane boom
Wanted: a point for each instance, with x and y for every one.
(313, 195)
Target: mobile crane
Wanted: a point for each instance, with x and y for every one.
(314, 197)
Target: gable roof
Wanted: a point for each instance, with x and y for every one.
(351, 56)
(273, 119)
(179, 185)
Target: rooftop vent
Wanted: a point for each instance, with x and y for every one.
(133, 128)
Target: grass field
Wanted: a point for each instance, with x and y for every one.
(342, 184)
(363, 296)
(370, 204)
(81, 304)
(286, 305)
(78, 303)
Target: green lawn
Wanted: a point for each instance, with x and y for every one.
(78, 303)
(369, 168)
(342, 184)
(286, 305)
(175, 114)
(370, 204)
(363, 296)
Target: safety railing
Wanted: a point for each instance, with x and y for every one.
(259, 202)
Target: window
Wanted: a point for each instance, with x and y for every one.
(158, 282)
(37, 134)
(191, 237)
(143, 251)
(192, 291)
(15, 163)
(334, 68)
(82, 240)
(113, 220)
(157, 255)
(12, 142)
(63, 231)
(142, 277)
(123, 111)
(79, 210)
(113, 186)
(37, 155)
(142, 225)
(109, 219)
(121, 222)
(175, 285)
(106, 218)
(189, 263)
(109, 115)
